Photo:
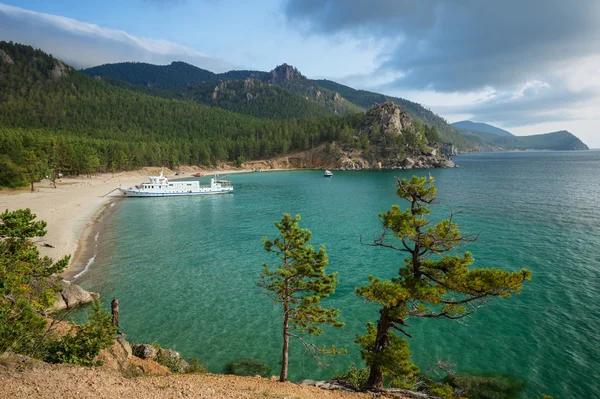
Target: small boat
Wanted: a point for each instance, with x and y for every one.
(328, 173)
(198, 174)
(159, 186)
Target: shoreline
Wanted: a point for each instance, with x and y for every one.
(76, 209)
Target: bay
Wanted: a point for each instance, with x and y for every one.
(185, 269)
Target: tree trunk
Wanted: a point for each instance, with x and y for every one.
(384, 324)
(284, 353)
(114, 305)
(32, 190)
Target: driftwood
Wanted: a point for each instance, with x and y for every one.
(405, 393)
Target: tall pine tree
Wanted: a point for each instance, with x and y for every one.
(299, 283)
(430, 284)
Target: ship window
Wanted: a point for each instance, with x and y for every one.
(189, 184)
(171, 184)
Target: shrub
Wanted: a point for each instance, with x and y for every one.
(132, 371)
(355, 376)
(83, 343)
(248, 367)
(194, 367)
(487, 386)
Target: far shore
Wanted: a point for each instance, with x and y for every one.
(75, 207)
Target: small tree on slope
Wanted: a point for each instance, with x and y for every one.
(431, 283)
(299, 283)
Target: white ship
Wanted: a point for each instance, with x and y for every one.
(328, 173)
(160, 186)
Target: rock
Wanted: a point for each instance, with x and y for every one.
(447, 163)
(116, 358)
(73, 295)
(58, 70)
(307, 382)
(389, 118)
(408, 163)
(5, 57)
(145, 351)
(172, 359)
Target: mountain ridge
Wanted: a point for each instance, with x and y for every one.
(481, 127)
(561, 140)
(328, 94)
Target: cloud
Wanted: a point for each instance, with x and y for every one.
(541, 58)
(83, 45)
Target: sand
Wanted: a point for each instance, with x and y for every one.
(74, 209)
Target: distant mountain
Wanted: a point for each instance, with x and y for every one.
(481, 127)
(366, 99)
(177, 75)
(558, 141)
(334, 97)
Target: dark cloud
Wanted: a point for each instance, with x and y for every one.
(461, 45)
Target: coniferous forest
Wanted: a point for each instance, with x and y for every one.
(53, 117)
(55, 120)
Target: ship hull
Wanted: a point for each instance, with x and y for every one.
(140, 194)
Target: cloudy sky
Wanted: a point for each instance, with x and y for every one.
(529, 66)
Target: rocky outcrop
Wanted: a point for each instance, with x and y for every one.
(73, 295)
(284, 73)
(387, 119)
(383, 127)
(117, 357)
(58, 70)
(145, 351)
(6, 58)
(167, 357)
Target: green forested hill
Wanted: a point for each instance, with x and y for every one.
(366, 99)
(481, 127)
(54, 117)
(177, 75)
(334, 97)
(556, 141)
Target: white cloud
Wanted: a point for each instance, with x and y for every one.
(84, 45)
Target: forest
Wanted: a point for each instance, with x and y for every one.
(54, 118)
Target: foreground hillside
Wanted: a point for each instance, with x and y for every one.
(64, 381)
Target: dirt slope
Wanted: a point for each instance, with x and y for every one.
(64, 382)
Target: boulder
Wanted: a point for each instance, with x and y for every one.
(73, 295)
(408, 163)
(145, 351)
(447, 164)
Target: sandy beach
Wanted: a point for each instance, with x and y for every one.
(75, 207)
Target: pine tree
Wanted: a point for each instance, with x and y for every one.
(299, 283)
(431, 284)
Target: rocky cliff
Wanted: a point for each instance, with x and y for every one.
(387, 139)
(288, 77)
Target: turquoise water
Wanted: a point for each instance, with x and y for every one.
(184, 269)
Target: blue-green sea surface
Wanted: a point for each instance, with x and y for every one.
(185, 269)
